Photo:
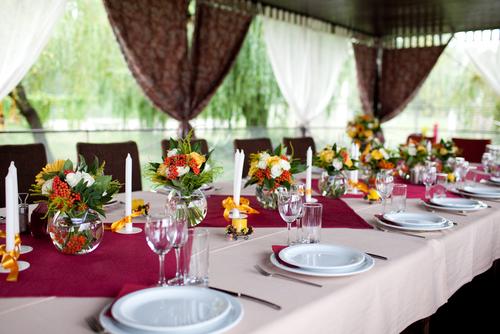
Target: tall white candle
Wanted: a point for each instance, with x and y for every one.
(15, 196)
(308, 175)
(128, 190)
(354, 155)
(239, 157)
(9, 207)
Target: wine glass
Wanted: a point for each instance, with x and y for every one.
(179, 225)
(429, 178)
(300, 188)
(159, 236)
(289, 206)
(384, 183)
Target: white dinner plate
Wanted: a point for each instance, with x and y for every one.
(409, 219)
(322, 257)
(482, 190)
(458, 203)
(365, 266)
(465, 193)
(449, 208)
(495, 179)
(447, 225)
(177, 309)
(232, 319)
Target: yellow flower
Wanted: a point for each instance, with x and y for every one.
(327, 155)
(368, 133)
(443, 151)
(372, 195)
(198, 158)
(451, 177)
(272, 161)
(348, 162)
(352, 131)
(253, 168)
(420, 148)
(377, 155)
(53, 167)
(162, 170)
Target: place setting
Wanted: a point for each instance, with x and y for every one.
(478, 191)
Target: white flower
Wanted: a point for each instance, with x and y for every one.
(412, 150)
(370, 126)
(172, 152)
(182, 170)
(47, 187)
(368, 157)
(384, 153)
(276, 171)
(74, 178)
(262, 164)
(285, 165)
(337, 164)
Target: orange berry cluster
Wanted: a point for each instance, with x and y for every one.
(172, 163)
(75, 244)
(61, 193)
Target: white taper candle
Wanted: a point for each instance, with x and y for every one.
(9, 206)
(15, 196)
(308, 174)
(128, 190)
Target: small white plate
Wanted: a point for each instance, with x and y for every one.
(482, 190)
(171, 309)
(367, 264)
(232, 319)
(465, 193)
(322, 257)
(495, 179)
(458, 203)
(449, 208)
(445, 226)
(415, 219)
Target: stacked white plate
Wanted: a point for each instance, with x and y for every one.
(415, 221)
(322, 260)
(455, 204)
(495, 180)
(168, 310)
(479, 191)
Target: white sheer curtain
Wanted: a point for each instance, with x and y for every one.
(25, 27)
(306, 64)
(487, 63)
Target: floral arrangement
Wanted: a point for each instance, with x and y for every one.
(334, 160)
(443, 152)
(273, 170)
(183, 168)
(73, 189)
(364, 129)
(369, 194)
(414, 153)
(378, 158)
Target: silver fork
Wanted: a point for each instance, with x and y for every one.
(95, 325)
(263, 272)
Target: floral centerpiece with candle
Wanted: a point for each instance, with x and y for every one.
(75, 195)
(444, 153)
(377, 158)
(269, 171)
(181, 174)
(334, 161)
(413, 155)
(364, 129)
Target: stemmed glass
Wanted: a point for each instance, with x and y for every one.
(300, 188)
(289, 206)
(384, 183)
(159, 236)
(429, 178)
(179, 225)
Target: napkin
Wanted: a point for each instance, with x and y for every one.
(276, 250)
(125, 290)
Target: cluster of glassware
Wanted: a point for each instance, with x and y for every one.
(490, 160)
(168, 229)
(292, 206)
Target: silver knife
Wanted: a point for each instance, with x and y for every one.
(242, 295)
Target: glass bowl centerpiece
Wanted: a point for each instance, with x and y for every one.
(269, 171)
(413, 156)
(181, 174)
(334, 162)
(364, 130)
(75, 196)
(377, 158)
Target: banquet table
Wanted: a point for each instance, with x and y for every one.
(419, 277)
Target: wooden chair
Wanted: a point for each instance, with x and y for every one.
(114, 154)
(300, 146)
(472, 149)
(418, 137)
(251, 146)
(165, 145)
(29, 160)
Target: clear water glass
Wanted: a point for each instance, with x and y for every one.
(180, 228)
(196, 257)
(429, 178)
(311, 222)
(439, 189)
(159, 236)
(300, 188)
(398, 198)
(384, 183)
(460, 171)
(486, 161)
(289, 207)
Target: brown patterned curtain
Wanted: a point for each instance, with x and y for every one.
(386, 88)
(179, 79)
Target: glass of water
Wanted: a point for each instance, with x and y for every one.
(160, 235)
(384, 183)
(429, 178)
(300, 189)
(289, 207)
(441, 185)
(398, 198)
(311, 222)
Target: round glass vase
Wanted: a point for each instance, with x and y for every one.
(332, 186)
(76, 236)
(195, 204)
(268, 199)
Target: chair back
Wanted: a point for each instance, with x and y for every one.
(418, 137)
(114, 154)
(471, 149)
(251, 146)
(165, 145)
(299, 146)
(29, 160)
